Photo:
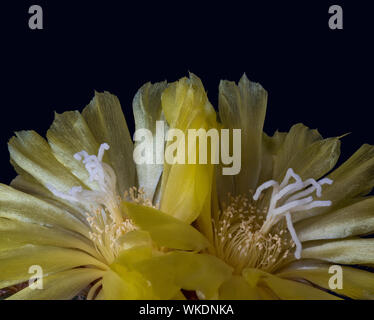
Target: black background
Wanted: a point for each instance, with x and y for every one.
(314, 75)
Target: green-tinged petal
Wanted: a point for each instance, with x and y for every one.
(236, 288)
(32, 153)
(135, 239)
(352, 179)
(243, 106)
(204, 220)
(60, 286)
(164, 229)
(68, 135)
(353, 251)
(317, 159)
(295, 143)
(15, 263)
(355, 219)
(285, 289)
(183, 270)
(17, 205)
(15, 233)
(32, 187)
(147, 110)
(270, 147)
(356, 283)
(121, 284)
(107, 123)
(186, 106)
(137, 246)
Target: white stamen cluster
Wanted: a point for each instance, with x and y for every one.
(249, 234)
(105, 219)
(238, 239)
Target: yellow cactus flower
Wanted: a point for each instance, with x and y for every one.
(285, 220)
(104, 220)
(84, 213)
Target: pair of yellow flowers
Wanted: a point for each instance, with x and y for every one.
(100, 226)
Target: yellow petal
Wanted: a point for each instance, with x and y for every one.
(243, 106)
(137, 246)
(16, 233)
(357, 284)
(353, 251)
(68, 135)
(147, 110)
(15, 263)
(17, 205)
(30, 186)
(135, 239)
(298, 139)
(352, 179)
(164, 229)
(31, 153)
(317, 159)
(352, 220)
(236, 288)
(106, 121)
(121, 284)
(270, 147)
(60, 286)
(179, 296)
(183, 270)
(293, 290)
(186, 106)
(285, 289)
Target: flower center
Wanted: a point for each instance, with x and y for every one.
(104, 216)
(257, 231)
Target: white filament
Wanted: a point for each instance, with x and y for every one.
(299, 201)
